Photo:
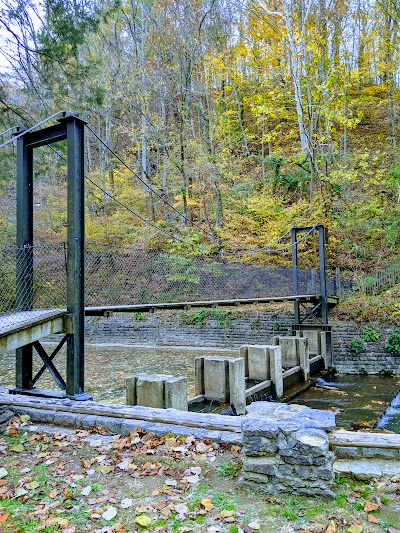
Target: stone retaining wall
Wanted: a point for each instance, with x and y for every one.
(232, 327)
(286, 449)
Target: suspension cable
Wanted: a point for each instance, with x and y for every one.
(147, 185)
(6, 131)
(109, 195)
(30, 129)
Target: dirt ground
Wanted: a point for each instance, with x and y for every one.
(58, 480)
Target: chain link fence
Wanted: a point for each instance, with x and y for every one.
(34, 277)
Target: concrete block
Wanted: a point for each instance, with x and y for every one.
(314, 340)
(275, 362)
(244, 353)
(324, 352)
(130, 385)
(150, 390)
(175, 394)
(237, 386)
(199, 376)
(289, 347)
(258, 363)
(216, 379)
(304, 356)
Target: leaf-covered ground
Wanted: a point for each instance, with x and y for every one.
(54, 480)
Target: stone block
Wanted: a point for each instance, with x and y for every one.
(199, 376)
(254, 445)
(243, 352)
(150, 390)
(346, 452)
(379, 453)
(175, 394)
(216, 379)
(130, 385)
(258, 363)
(304, 356)
(261, 465)
(314, 340)
(237, 385)
(290, 356)
(275, 362)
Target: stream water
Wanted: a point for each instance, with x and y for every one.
(360, 401)
(107, 366)
(364, 400)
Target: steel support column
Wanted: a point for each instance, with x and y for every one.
(295, 274)
(75, 255)
(24, 254)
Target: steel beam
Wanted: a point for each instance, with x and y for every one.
(24, 257)
(75, 254)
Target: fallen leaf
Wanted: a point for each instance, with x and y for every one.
(33, 485)
(17, 448)
(331, 527)
(171, 482)
(356, 528)
(3, 472)
(61, 522)
(105, 469)
(206, 503)
(255, 524)
(20, 492)
(372, 519)
(109, 513)
(86, 490)
(192, 479)
(143, 520)
(225, 513)
(4, 518)
(126, 502)
(370, 506)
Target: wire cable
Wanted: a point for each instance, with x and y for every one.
(6, 131)
(109, 195)
(30, 129)
(147, 185)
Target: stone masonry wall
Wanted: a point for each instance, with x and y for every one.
(230, 328)
(286, 449)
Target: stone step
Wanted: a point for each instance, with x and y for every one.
(365, 470)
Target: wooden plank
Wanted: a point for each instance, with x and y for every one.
(95, 310)
(30, 334)
(24, 319)
(359, 439)
(149, 414)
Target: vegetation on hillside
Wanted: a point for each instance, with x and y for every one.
(246, 117)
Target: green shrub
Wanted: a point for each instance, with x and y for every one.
(370, 334)
(393, 344)
(356, 345)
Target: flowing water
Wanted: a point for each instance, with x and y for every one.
(359, 401)
(366, 397)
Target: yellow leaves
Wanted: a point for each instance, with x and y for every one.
(331, 527)
(225, 513)
(61, 522)
(17, 448)
(104, 469)
(33, 485)
(143, 520)
(206, 503)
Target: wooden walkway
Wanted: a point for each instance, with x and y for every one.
(22, 328)
(25, 327)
